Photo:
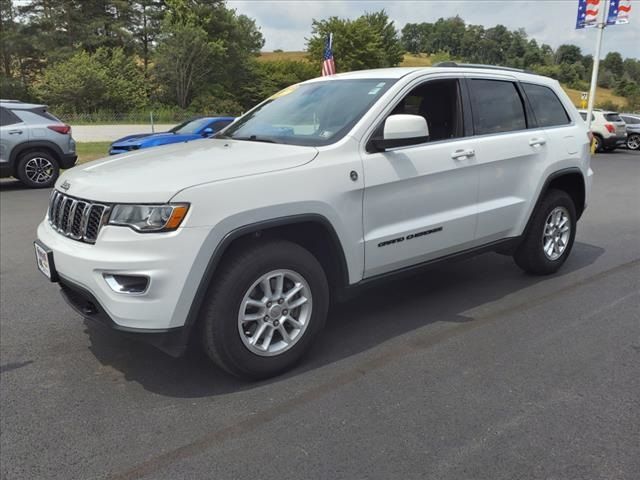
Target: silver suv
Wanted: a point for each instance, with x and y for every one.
(609, 130)
(34, 144)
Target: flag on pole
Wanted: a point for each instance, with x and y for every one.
(588, 13)
(328, 65)
(618, 12)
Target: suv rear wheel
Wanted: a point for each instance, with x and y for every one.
(264, 310)
(550, 235)
(38, 169)
(597, 143)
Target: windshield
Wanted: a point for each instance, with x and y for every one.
(311, 114)
(190, 126)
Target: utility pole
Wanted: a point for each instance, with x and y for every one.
(602, 22)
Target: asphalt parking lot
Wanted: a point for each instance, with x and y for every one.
(470, 371)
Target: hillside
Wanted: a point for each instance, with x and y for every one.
(602, 95)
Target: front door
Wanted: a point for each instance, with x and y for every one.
(420, 201)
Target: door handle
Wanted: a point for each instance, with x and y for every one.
(537, 142)
(15, 132)
(459, 154)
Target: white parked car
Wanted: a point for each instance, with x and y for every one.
(242, 241)
(608, 128)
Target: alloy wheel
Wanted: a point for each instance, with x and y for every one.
(275, 312)
(557, 231)
(39, 170)
(633, 142)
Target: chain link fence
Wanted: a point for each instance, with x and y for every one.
(149, 117)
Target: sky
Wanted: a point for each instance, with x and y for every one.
(286, 23)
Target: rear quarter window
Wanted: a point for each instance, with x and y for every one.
(7, 118)
(546, 106)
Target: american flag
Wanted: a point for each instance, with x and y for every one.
(328, 65)
(618, 12)
(588, 13)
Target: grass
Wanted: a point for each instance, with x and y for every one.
(602, 95)
(88, 151)
(274, 56)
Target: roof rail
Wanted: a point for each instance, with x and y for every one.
(477, 65)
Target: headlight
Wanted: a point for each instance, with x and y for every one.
(149, 218)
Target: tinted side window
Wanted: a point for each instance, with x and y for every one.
(439, 102)
(546, 106)
(497, 107)
(7, 118)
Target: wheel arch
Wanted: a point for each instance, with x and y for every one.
(570, 180)
(312, 231)
(37, 145)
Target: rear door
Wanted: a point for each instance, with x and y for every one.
(12, 133)
(510, 154)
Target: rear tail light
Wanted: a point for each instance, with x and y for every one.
(63, 129)
(610, 127)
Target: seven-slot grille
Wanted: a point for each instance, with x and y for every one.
(76, 218)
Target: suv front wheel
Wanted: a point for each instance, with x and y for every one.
(265, 307)
(38, 169)
(549, 238)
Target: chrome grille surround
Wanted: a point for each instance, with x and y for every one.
(76, 218)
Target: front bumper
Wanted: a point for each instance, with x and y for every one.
(172, 341)
(165, 258)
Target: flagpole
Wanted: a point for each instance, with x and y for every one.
(602, 22)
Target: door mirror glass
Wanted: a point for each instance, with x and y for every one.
(207, 131)
(401, 130)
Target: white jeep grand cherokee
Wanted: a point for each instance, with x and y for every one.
(243, 240)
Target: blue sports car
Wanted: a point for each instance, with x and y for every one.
(193, 129)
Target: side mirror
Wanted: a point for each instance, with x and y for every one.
(402, 130)
(207, 131)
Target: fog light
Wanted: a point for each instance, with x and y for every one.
(131, 284)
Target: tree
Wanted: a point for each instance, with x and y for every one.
(391, 45)
(145, 24)
(184, 59)
(107, 79)
(568, 54)
(613, 62)
(370, 41)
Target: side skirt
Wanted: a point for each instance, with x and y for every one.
(505, 247)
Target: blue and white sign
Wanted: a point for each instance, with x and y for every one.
(618, 12)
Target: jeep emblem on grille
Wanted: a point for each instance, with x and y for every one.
(65, 186)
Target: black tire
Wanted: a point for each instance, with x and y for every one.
(598, 143)
(633, 142)
(221, 337)
(530, 254)
(38, 169)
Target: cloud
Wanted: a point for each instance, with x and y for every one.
(286, 23)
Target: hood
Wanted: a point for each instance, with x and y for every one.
(153, 139)
(155, 175)
(136, 135)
